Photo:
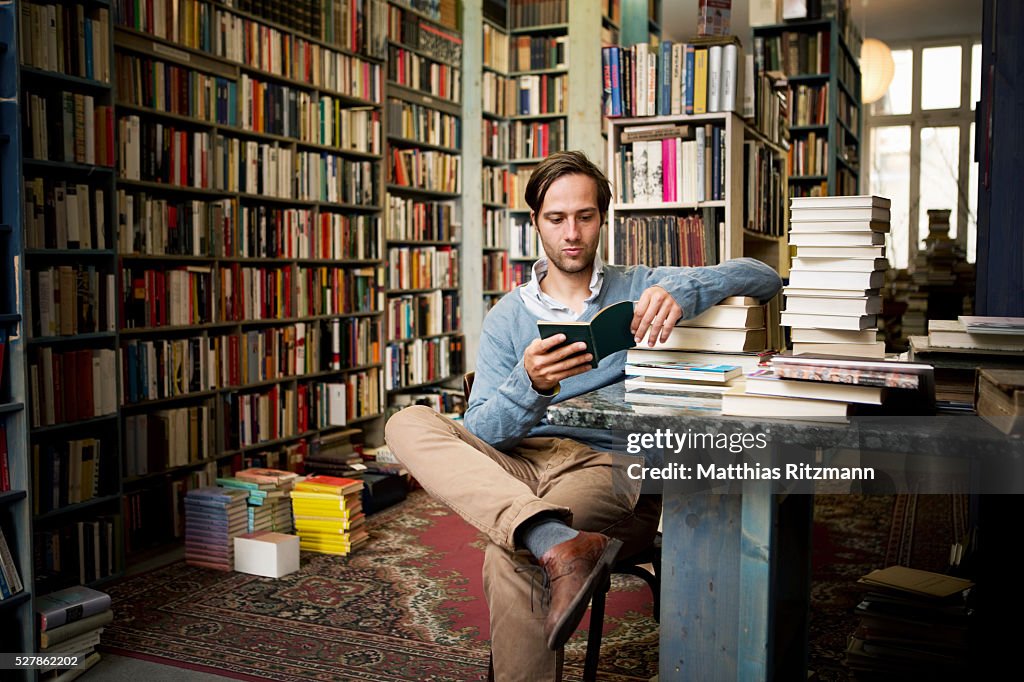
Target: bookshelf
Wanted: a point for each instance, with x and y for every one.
(819, 60)
(425, 137)
(496, 150)
(70, 288)
(249, 241)
(16, 613)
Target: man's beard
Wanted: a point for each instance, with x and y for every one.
(571, 266)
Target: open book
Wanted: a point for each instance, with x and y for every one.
(607, 333)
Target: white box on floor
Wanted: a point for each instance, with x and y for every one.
(268, 554)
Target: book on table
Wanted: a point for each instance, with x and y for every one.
(685, 370)
(977, 324)
(766, 382)
(952, 334)
(851, 370)
(738, 402)
(607, 333)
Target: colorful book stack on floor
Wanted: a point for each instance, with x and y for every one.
(328, 514)
(832, 300)
(702, 358)
(268, 506)
(70, 624)
(213, 517)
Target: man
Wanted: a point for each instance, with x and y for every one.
(552, 498)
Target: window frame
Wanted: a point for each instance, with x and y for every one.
(961, 117)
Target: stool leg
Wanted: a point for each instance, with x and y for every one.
(594, 636)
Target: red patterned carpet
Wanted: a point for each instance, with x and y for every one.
(409, 606)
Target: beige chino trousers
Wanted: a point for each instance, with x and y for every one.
(496, 492)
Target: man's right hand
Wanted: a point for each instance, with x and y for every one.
(547, 362)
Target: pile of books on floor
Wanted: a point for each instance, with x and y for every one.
(825, 388)
(832, 300)
(702, 358)
(912, 624)
(328, 513)
(268, 506)
(213, 517)
(336, 454)
(70, 624)
(958, 348)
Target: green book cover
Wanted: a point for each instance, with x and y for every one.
(607, 333)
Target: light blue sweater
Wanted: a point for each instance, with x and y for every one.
(504, 408)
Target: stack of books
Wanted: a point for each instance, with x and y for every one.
(213, 517)
(328, 513)
(833, 300)
(702, 358)
(335, 454)
(70, 624)
(824, 387)
(911, 623)
(269, 505)
(958, 348)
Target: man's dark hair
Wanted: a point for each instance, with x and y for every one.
(566, 163)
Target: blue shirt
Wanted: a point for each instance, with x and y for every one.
(504, 407)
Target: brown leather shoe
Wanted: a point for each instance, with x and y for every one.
(575, 568)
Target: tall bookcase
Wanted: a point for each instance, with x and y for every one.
(70, 283)
(424, 212)
(16, 614)
(819, 60)
(498, 98)
(251, 187)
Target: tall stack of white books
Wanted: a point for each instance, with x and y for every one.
(833, 299)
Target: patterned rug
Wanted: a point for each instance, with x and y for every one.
(408, 606)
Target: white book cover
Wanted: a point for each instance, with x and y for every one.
(836, 239)
(864, 305)
(714, 78)
(874, 213)
(813, 279)
(866, 336)
(749, 87)
(730, 77)
(831, 202)
(840, 252)
(678, 67)
(838, 226)
(816, 321)
(841, 264)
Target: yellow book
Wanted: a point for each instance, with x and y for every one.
(327, 526)
(312, 507)
(320, 550)
(700, 81)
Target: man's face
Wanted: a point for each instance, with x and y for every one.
(569, 223)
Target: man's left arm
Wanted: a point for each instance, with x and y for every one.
(695, 289)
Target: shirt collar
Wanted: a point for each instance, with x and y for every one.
(532, 293)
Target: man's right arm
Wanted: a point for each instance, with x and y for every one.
(506, 402)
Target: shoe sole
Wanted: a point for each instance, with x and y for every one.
(574, 614)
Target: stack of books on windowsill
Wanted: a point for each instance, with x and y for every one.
(832, 300)
(70, 624)
(702, 358)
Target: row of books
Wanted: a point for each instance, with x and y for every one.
(410, 70)
(672, 78)
(423, 124)
(167, 368)
(416, 220)
(10, 577)
(670, 163)
(408, 29)
(165, 439)
(52, 374)
(70, 299)
(69, 127)
(72, 39)
(419, 361)
(668, 240)
(69, 472)
(426, 314)
(425, 169)
(64, 215)
(534, 53)
(175, 89)
(423, 267)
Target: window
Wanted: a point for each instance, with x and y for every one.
(920, 140)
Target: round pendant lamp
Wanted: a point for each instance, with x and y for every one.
(876, 70)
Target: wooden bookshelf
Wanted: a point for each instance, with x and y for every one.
(818, 59)
(262, 257)
(424, 157)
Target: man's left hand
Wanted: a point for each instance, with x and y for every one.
(657, 312)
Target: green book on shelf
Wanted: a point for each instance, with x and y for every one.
(607, 333)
